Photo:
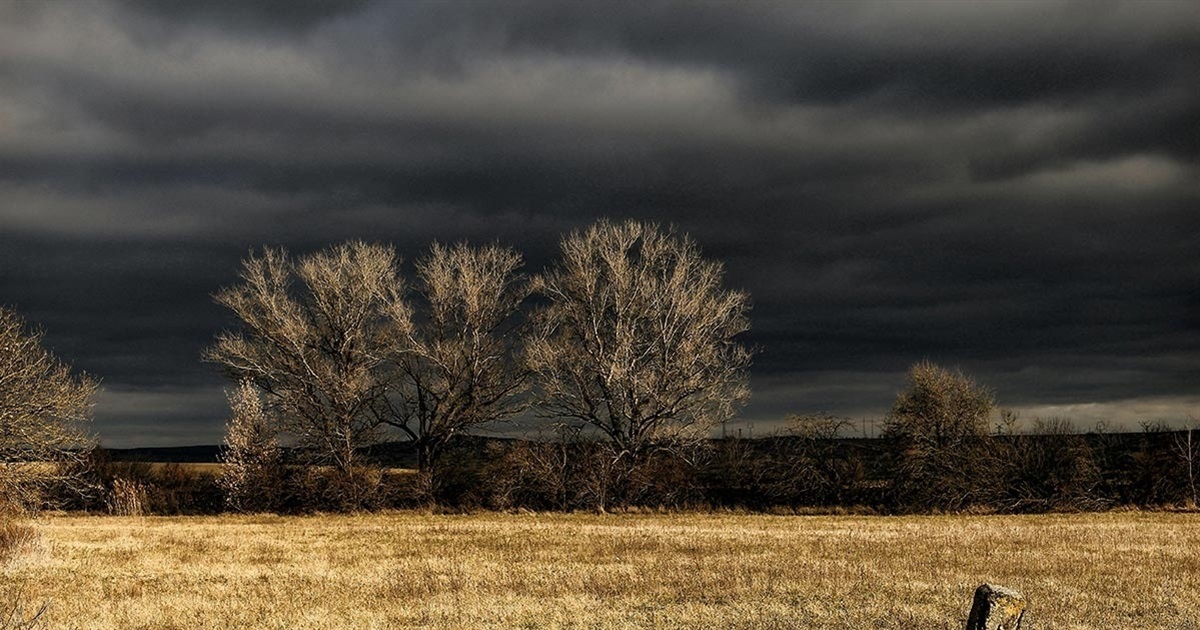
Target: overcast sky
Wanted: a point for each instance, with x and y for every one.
(1010, 188)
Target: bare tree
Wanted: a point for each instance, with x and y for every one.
(937, 425)
(44, 410)
(252, 458)
(458, 370)
(317, 335)
(638, 339)
(1187, 449)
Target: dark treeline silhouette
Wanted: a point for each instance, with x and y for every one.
(789, 472)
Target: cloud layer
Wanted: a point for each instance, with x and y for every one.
(1008, 187)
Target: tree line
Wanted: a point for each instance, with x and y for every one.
(629, 346)
(634, 336)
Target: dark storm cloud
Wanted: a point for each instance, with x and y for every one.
(915, 54)
(1009, 187)
(253, 16)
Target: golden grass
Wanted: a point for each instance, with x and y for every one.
(214, 468)
(203, 468)
(1117, 570)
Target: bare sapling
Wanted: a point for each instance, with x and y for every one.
(252, 459)
(1187, 449)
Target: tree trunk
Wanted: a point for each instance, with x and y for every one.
(427, 456)
(1191, 466)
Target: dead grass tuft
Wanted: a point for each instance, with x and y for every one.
(127, 497)
(17, 540)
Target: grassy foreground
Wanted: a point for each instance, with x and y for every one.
(1119, 570)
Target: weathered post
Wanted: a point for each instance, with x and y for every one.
(996, 608)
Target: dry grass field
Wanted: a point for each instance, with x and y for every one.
(1117, 570)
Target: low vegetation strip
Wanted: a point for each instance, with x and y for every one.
(397, 570)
